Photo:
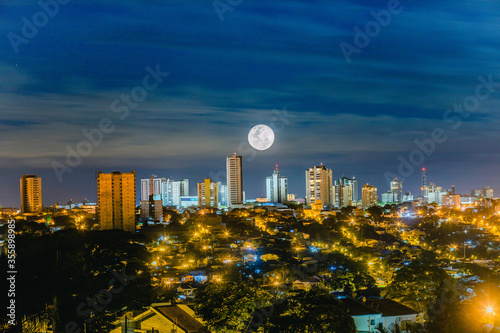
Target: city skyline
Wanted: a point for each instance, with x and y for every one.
(300, 193)
(357, 117)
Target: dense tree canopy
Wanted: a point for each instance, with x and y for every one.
(227, 307)
(419, 283)
(69, 270)
(314, 311)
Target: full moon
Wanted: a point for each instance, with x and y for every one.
(261, 137)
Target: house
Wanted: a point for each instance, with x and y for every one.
(164, 317)
(365, 318)
(306, 284)
(187, 278)
(170, 280)
(188, 289)
(372, 315)
(393, 313)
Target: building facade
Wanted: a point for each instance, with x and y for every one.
(151, 198)
(234, 171)
(31, 194)
(319, 185)
(173, 190)
(451, 201)
(397, 190)
(116, 200)
(222, 194)
(276, 187)
(345, 192)
(208, 194)
(368, 196)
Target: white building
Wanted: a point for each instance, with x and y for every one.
(188, 201)
(276, 187)
(222, 194)
(433, 193)
(408, 197)
(173, 190)
(389, 198)
(373, 315)
(397, 190)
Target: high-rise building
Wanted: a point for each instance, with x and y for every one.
(276, 187)
(424, 183)
(234, 180)
(319, 185)
(368, 196)
(355, 192)
(208, 194)
(345, 192)
(173, 190)
(151, 198)
(397, 190)
(487, 192)
(116, 200)
(433, 193)
(31, 194)
(222, 194)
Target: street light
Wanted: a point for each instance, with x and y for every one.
(490, 311)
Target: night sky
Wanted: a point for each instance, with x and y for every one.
(225, 76)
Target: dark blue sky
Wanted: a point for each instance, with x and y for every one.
(227, 76)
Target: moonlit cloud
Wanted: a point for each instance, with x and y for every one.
(226, 77)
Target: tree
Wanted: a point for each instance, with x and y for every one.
(375, 212)
(418, 284)
(62, 271)
(227, 307)
(313, 311)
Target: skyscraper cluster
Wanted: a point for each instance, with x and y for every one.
(116, 193)
(345, 192)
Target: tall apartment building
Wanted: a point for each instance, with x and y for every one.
(151, 198)
(116, 200)
(173, 190)
(319, 185)
(276, 187)
(397, 189)
(345, 192)
(31, 194)
(222, 194)
(234, 180)
(208, 194)
(368, 196)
